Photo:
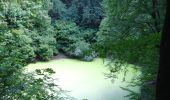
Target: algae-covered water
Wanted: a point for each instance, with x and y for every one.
(86, 80)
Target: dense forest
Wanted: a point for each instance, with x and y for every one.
(123, 31)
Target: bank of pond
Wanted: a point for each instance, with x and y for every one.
(88, 80)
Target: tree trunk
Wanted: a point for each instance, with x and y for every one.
(155, 15)
(162, 87)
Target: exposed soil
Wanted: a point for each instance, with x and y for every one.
(59, 56)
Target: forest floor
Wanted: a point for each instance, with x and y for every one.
(59, 56)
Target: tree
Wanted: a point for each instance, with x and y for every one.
(86, 13)
(20, 22)
(134, 17)
(164, 66)
(129, 33)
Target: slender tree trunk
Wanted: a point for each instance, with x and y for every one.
(155, 15)
(162, 87)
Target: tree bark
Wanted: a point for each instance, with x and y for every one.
(162, 87)
(155, 15)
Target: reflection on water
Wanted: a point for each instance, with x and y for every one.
(86, 80)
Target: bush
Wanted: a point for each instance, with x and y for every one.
(19, 24)
(89, 35)
(15, 53)
(73, 41)
(83, 50)
(66, 34)
(15, 45)
(44, 52)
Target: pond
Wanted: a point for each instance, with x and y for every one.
(86, 80)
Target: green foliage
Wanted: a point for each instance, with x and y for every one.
(87, 13)
(59, 10)
(134, 18)
(125, 37)
(15, 45)
(92, 12)
(42, 32)
(66, 34)
(106, 33)
(142, 52)
(26, 32)
(144, 46)
(38, 40)
(36, 85)
(73, 41)
(15, 52)
(89, 35)
(44, 52)
(83, 51)
(30, 18)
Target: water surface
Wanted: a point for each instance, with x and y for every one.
(86, 80)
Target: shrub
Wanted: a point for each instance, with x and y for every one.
(89, 35)
(15, 45)
(20, 21)
(15, 53)
(73, 41)
(44, 52)
(83, 51)
(66, 34)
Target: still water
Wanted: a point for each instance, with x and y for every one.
(86, 80)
